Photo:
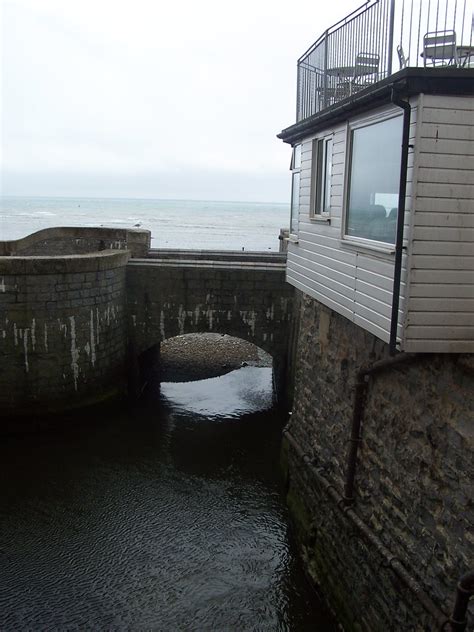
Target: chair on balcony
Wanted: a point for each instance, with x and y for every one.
(366, 70)
(439, 47)
(401, 57)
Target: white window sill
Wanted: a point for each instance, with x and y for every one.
(292, 239)
(375, 248)
(320, 219)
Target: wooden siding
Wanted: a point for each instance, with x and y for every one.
(354, 281)
(440, 303)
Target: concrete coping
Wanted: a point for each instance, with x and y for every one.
(132, 236)
(91, 262)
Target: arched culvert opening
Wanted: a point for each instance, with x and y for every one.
(200, 356)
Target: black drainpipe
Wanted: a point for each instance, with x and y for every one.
(465, 591)
(402, 189)
(362, 382)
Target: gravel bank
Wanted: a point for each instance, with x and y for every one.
(200, 356)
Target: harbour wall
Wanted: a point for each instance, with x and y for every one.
(62, 330)
(83, 312)
(414, 473)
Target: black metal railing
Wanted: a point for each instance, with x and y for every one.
(377, 39)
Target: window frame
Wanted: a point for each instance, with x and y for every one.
(321, 187)
(295, 168)
(352, 240)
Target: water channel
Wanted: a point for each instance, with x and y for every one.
(170, 517)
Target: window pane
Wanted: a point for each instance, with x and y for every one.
(297, 157)
(326, 205)
(374, 181)
(322, 155)
(295, 202)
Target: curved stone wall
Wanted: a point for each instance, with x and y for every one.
(62, 330)
(76, 240)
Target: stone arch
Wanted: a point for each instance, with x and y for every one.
(146, 364)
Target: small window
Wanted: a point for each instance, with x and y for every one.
(374, 177)
(295, 167)
(322, 173)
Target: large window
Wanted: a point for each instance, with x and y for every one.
(322, 172)
(374, 178)
(295, 189)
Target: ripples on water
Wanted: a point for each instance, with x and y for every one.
(170, 518)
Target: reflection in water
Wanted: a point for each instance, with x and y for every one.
(170, 518)
(247, 390)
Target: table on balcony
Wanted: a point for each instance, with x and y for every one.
(345, 81)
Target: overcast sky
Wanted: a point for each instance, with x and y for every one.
(145, 98)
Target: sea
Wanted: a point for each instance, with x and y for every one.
(179, 224)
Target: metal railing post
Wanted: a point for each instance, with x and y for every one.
(391, 29)
(325, 68)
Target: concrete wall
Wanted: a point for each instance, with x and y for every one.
(78, 240)
(414, 476)
(62, 330)
(243, 299)
(65, 340)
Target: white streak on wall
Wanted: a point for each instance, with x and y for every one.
(229, 315)
(4, 333)
(33, 335)
(181, 319)
(74, 352)
(162, 325)
(25, 349)
(87, 349)
(45, 336)
(15, 334)
(92, 348)
(210, 318)
(134, 320)
(97, 329)
(2, 285)
(271, 312)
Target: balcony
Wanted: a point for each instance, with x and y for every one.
(378, 39)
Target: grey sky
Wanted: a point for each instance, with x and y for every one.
(146, 98)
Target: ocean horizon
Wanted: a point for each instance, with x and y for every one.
(193, 224)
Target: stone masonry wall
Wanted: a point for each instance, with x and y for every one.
(166, 299)
(62, 330)
(78, 240)
(414, 477)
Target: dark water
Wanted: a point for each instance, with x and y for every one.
(170, 518)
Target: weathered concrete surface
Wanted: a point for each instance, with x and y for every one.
(414, 478)
(246, 299)
(62, 330)
(78, 240)
(72, 326)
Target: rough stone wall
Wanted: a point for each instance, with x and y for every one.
(62, 330)
(414, 475)
(165, 300)
(66, 241)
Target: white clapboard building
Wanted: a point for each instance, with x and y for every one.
(382, 219)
